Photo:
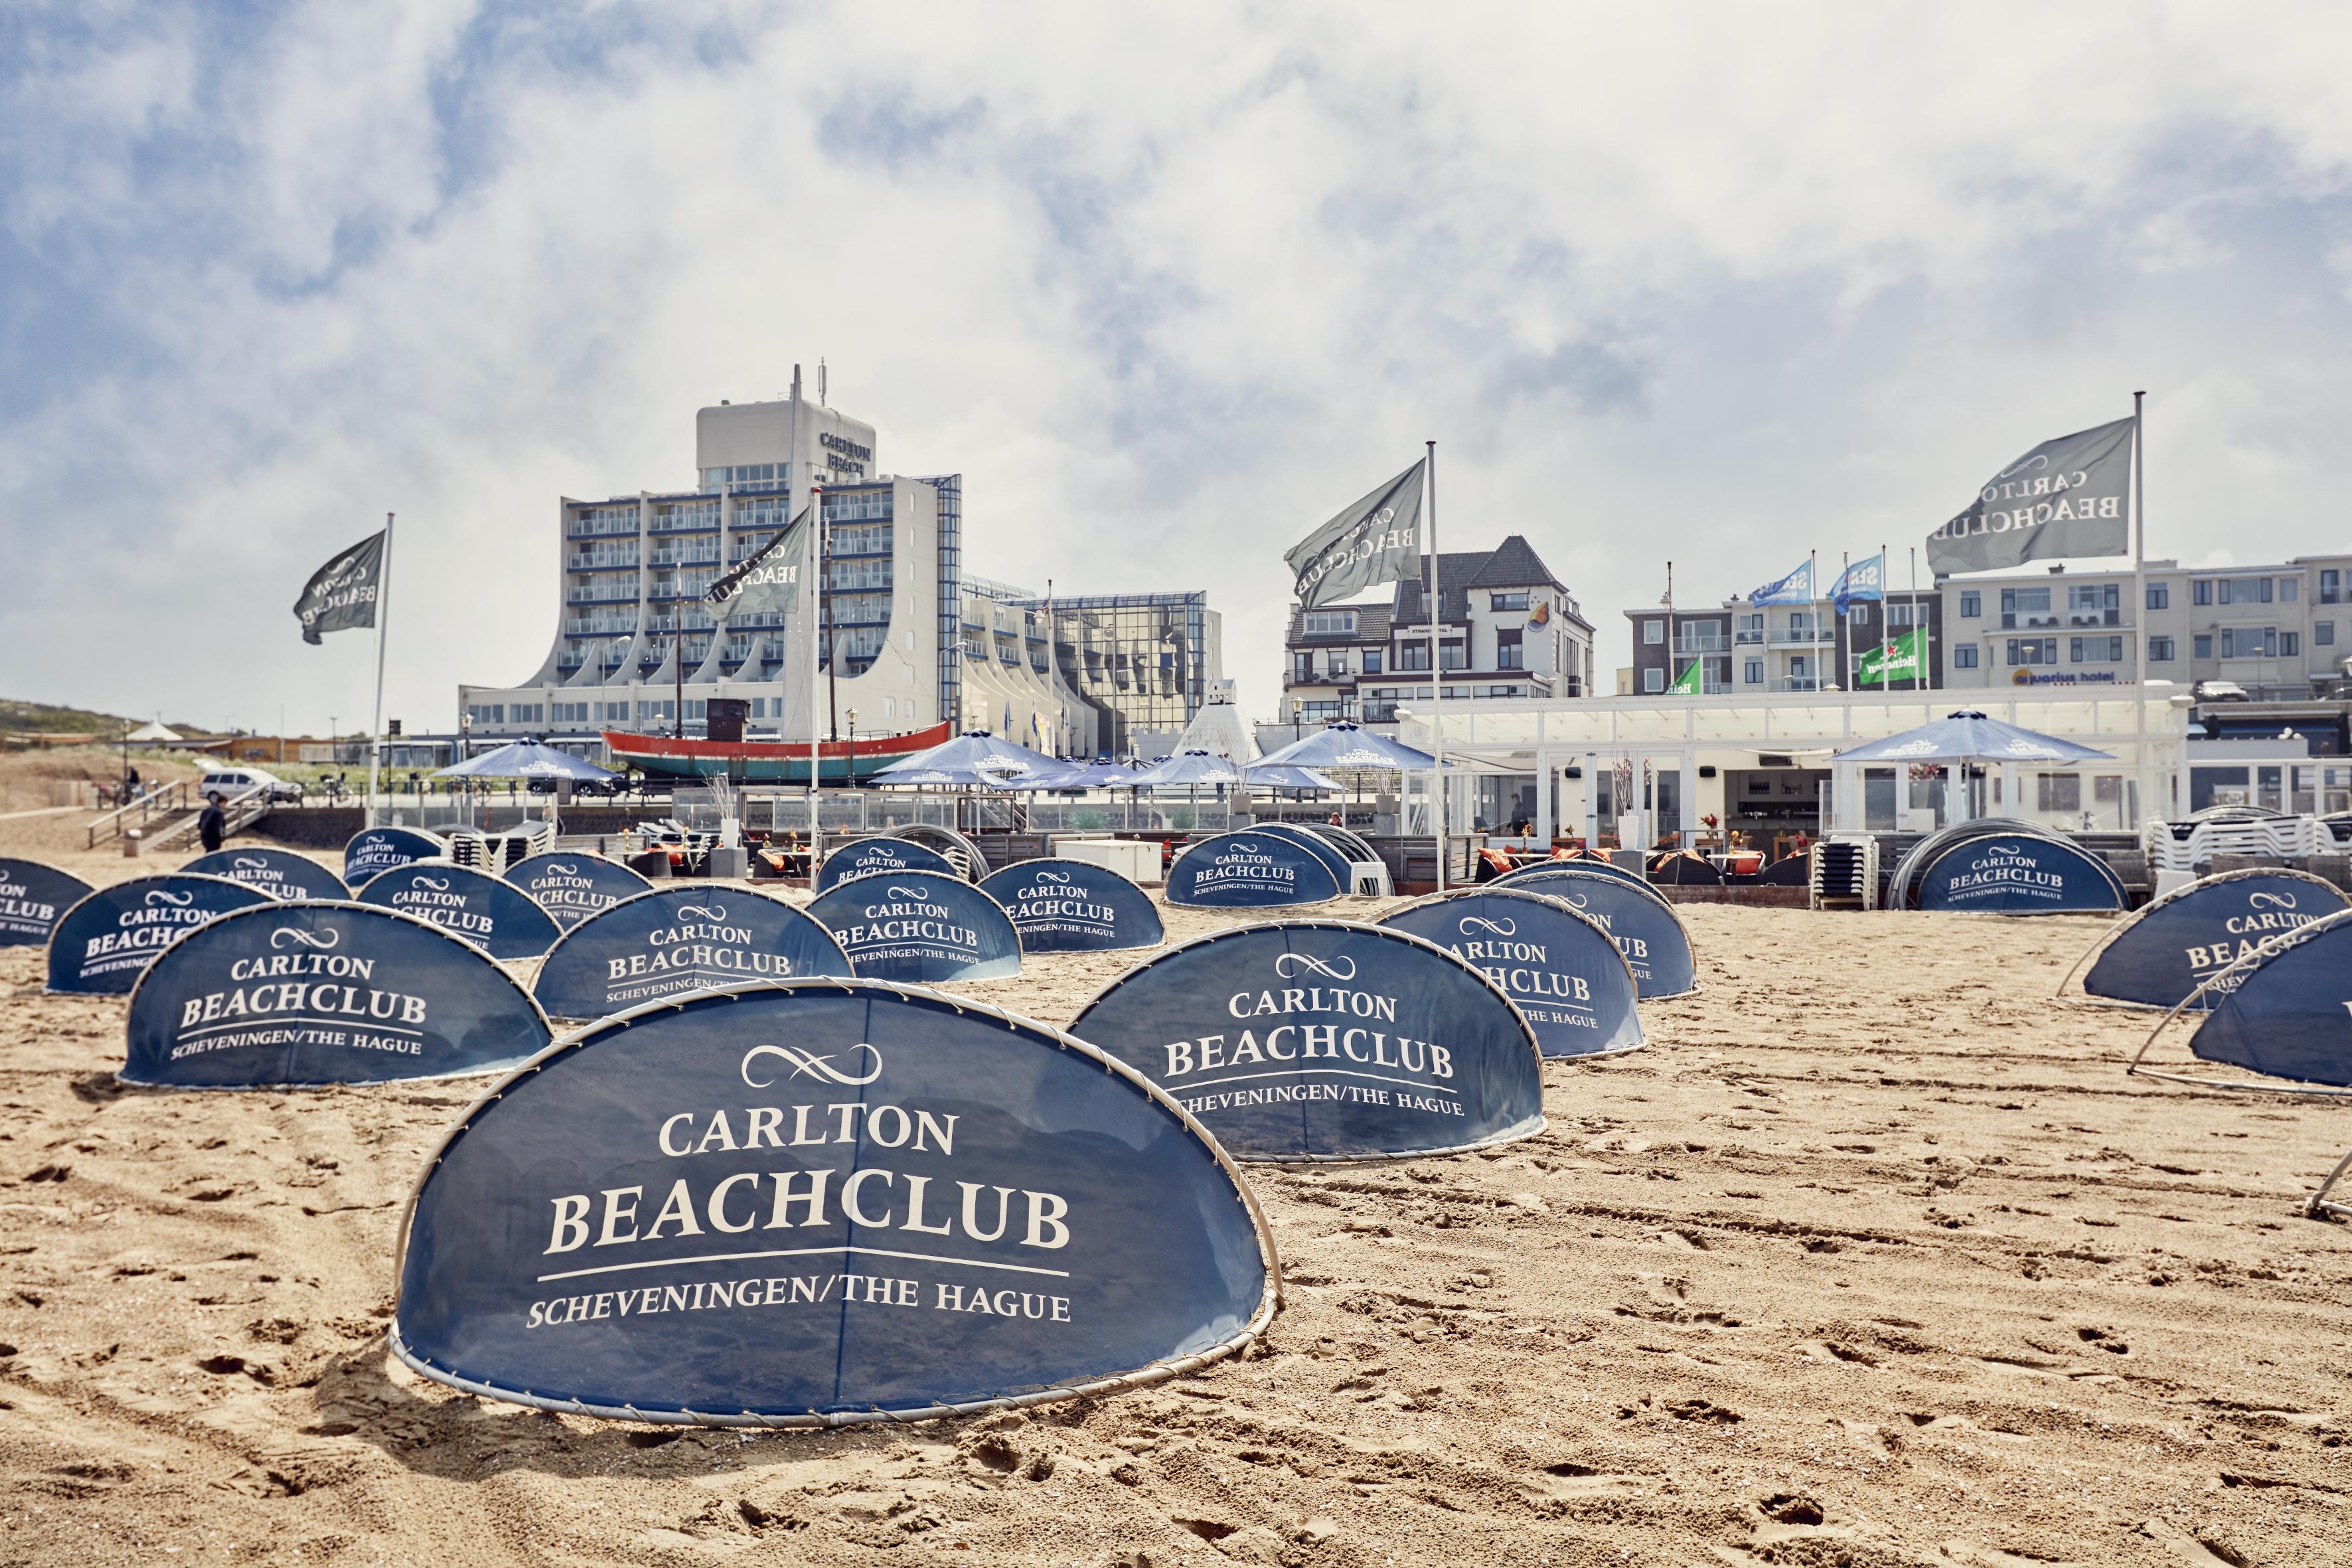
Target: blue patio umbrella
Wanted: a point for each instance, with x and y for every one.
(1185, 768)
(1095, 775)
(1350, 746)
(528, 760)
(975, 758)
(1968, 736)
(1288, 775)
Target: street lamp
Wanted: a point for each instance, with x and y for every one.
(851, 714)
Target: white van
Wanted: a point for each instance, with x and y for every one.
(231, 783)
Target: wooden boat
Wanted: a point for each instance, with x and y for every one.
(767, 762)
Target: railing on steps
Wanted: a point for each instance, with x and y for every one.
(170, 800)
(239, 813)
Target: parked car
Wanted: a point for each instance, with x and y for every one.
(231, 783)
(2220, 691)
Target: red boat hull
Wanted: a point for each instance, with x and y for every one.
(769, 762)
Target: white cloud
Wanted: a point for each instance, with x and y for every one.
(1167, 285)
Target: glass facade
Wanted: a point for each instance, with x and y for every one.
(1141, 661)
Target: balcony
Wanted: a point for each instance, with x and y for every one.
(1702, 639)
(1801, 636)
(2030, 620)
(1793, 683)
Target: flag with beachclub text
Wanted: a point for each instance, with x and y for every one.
(1375, 539)
(341, 596)
(2066, 497)
(768, 582)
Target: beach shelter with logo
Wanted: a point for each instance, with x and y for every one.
(920, 928)
(33, 899)
(490, 911)
(2018, 874)
(1250, 869)
(572, 887)
(825, 1203)
(2284, 1013)
(666, 942)
(280, 873)
(289, 996)
(2180, 945)
(1636, 916)
(881, 854)
(1556, 962)
(373, 851)
(1327, 1040)
(1073, 906)
(104, 944)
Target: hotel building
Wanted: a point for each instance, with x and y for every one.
(914, 638)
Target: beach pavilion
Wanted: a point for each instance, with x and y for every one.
(1637, 767)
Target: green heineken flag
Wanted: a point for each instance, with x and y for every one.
(1687, 685)
(1902, 661)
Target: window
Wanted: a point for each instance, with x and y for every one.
(1336, 661)
(2290, 644)
(1752, 671)
(2201, 645)
(1371, 662)
(1964, 656)
(2289, 590)
(2331, 586)
(1508, 652)
(2024, 607)
(1654, 632)
(2159, 650)
(1330, 623)
(1449, 651)
(2250, 642)
(2160, 597)
(1752, 628)
(1900, 617)
(2095, 650)
(2058, 791)
(2323, 634)
(2032, 651)
(2201, 592)
(1971, 603)
(1302, 666)
(1413, 655)
(1653, 679)
(2245, 590)
(1516, 600)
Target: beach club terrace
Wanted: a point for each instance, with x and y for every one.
(1631, 769)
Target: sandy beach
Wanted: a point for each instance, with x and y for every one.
(1873, 1257)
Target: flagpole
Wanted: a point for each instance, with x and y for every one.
(1436, 669)
(2140, 554)
(793, 475)
(383, 620)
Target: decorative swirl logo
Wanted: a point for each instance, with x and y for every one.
(247, 863)
(2269, 901)
(713, 914)
(1282, 966)
(899, 893)
(2039, 461)
(560, 870)
(1469, 923)
(438, 884)
(165, 896)
(1059, 878)
(809, 1064)
(324, 941)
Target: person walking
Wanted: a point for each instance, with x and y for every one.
(213, 826)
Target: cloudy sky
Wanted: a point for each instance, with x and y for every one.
(1168, 284)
